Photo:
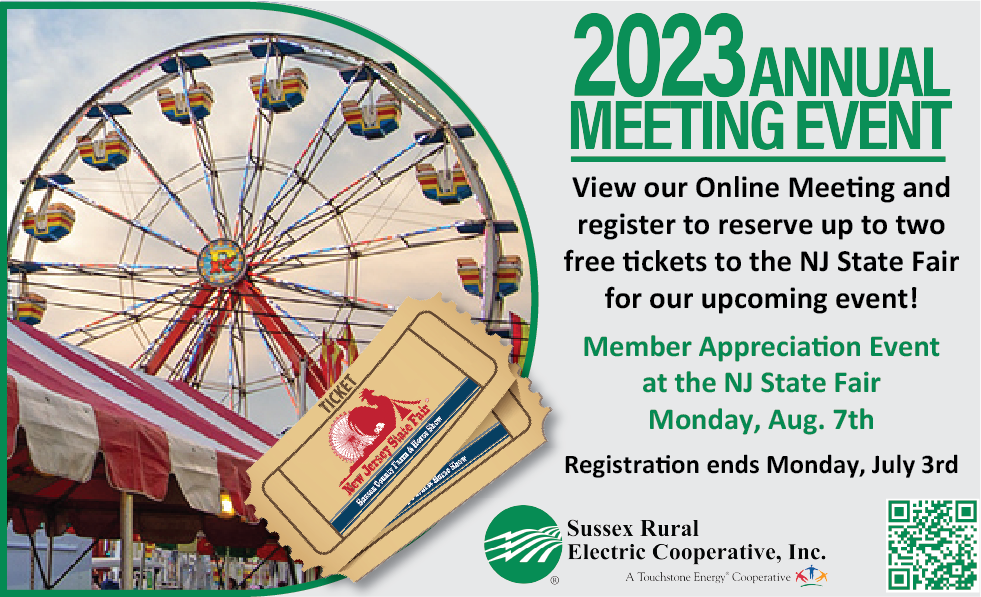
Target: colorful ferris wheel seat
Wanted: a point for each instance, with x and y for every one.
(469, 273)
(179, 107)
(508, 275)
(280, 95)
(53, 224)
(373, 121)
(103, 154)
(30, 308)
(449, 187)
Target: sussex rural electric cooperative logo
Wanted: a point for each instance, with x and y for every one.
(523, 544)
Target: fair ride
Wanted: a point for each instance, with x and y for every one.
(244, 239)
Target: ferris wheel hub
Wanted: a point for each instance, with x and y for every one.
(222, 262)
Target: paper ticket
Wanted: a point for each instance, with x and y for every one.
(350, 465)
(513, 430)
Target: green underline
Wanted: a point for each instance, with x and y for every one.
(759, 158)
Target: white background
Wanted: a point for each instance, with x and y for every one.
(515, 67)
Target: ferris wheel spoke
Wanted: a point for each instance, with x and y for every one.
(247, 168)
(245, 215)
(130, 313)
(306, 330)
(376, 251)
(196, 337)
(274, 325)
(311, 223)
(172, 321)
(128, 140)
(131, 322)
(313, 220)
(113, 214)
(351, 250)
(253, 165)
(383, 206)
(176, 330)
(237, 354)
(103, 293)
(292, 186)
(254, 169)
(295, 179)
(336, 298)
(215, 171)
(75, 306)
(279, 364)
(136, 271)
(203, 145)
(375, 172)
(227, 305)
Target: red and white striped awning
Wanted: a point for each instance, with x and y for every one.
(73, 405)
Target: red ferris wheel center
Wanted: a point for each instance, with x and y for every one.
(222, 263)
(225, 290)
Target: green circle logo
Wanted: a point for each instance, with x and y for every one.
(523, 544)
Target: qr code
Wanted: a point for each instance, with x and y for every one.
(933, 545)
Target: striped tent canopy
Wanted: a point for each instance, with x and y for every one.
(82, 428)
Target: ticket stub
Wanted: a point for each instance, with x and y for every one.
(350, 465)
(513, 430)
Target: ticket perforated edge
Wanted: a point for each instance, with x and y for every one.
(513, 430)
(351, 464)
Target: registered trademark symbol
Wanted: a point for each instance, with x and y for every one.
(554, 580)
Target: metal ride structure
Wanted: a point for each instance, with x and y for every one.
(229, 260)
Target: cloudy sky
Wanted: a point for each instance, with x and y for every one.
(58, 59)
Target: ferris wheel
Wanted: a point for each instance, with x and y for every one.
(240, 212)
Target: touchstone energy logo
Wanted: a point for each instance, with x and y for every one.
(811, 576)
(523, 544)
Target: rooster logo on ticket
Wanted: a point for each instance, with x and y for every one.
(523, 544)
(366, 435)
